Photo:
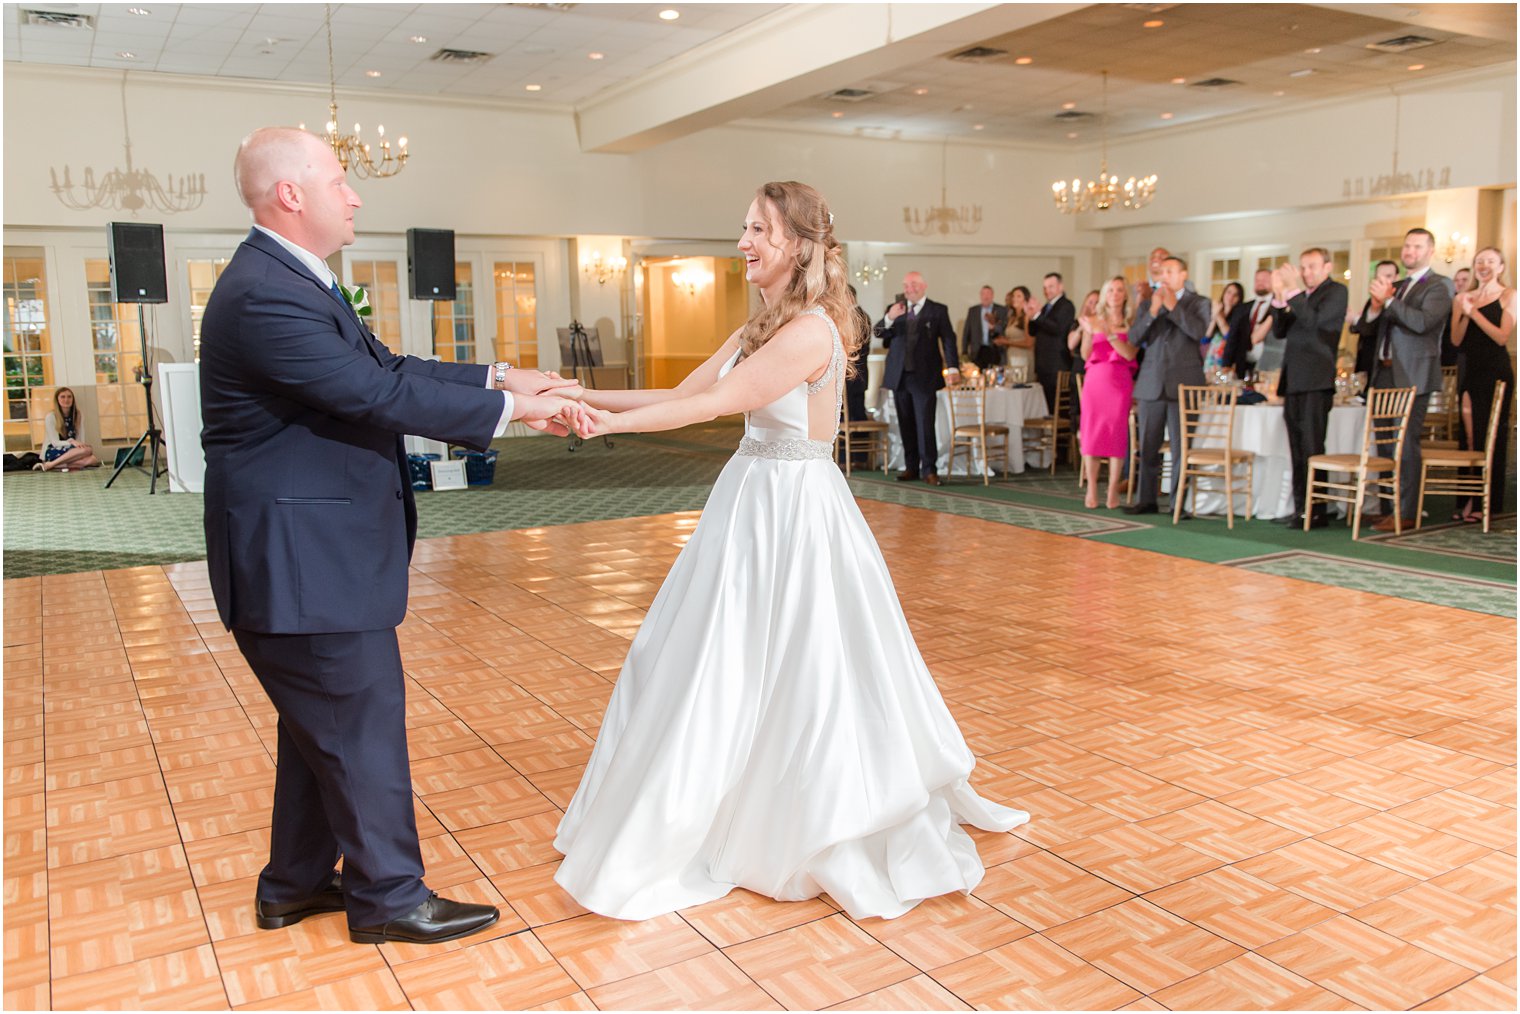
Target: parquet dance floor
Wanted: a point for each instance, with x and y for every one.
(1246, 791)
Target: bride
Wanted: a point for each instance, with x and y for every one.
(773, 727)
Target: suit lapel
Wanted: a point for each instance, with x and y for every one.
(263, 243)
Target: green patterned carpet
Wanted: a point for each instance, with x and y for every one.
(60, 523)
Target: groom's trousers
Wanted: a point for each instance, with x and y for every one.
(342, 778)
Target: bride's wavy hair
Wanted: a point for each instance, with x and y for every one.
(819, 277)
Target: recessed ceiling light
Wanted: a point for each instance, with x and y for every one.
(837, 115)
(977, 126)
(126, 55)
(1157, 23)
(1179, 80)
(372, 73)
(1166, 116)
(1068, 105)
(669, 14)
(533, 88)
(920, 91)
(141, 12)
(594, 56)
(1416, 66)
(1071, 136)
(1279, 94)
(1312, 51)
(1024, 61)
(1302, 73)
(419, 38)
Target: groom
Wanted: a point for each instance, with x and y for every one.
(309, 529)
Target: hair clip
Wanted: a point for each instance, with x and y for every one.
(831, 219)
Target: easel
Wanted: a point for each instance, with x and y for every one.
(581, 358)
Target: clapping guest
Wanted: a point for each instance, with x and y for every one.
(1016, 338)
(1225, 320)
(985, 321)
(1247, 339)
(64, 446)
(1051, 325)
(1078, 361)
(1482, 325)
(856, 378)
(1461, 281)
(1368, 331)
(1109, 388)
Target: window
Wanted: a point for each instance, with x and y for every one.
(203, 276)
(454, 321)
(1223, 271)
(381, 282)
(27, 352)
(114, 333)
(516, 314)
(1340, 264)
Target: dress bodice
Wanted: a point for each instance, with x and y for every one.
(780, 429)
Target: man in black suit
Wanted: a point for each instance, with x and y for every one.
(1311, 309)
(1369, 331)
(309, 529)
(1050, 327)
(855, 383)
(1242, 350)
(986, 322)
(1409, 354)
(1169, 328)
(920, 347)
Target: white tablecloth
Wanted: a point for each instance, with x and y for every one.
(1260, 429)
(1007, 405)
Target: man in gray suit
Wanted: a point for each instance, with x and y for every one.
(1170, 329)
(1409, 354)
(985, 323)
(1311, 309)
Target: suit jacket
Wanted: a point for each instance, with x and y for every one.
(917, 361)
(309, 513)
(1367, 334)
(1171, 340)
(1311, 327)
(1050, 330)
(859, 380)
(971, 334)
(1237, 338)
(1414, 321)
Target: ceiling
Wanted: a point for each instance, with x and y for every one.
(1264, 48)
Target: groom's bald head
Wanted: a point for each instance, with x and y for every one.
(270, 155)
(295, 186)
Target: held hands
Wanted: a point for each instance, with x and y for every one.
(533, 382)
(588, 422)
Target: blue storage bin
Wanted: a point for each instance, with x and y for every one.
(479, 466)
(419, 467)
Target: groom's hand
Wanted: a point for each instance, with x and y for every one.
(532, 382)
(544, 412)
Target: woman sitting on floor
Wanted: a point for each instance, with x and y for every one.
(64, 446)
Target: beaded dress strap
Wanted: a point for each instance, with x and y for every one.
(836, 362)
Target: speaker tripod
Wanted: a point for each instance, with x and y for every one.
(152, 433)
(580, 357)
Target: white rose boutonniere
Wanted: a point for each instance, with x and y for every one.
(358, 299)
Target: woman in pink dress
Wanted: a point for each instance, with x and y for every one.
(1108, 389)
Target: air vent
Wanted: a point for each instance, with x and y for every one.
(56, 19)
(979, 53)
(1402, 44)
(849, 95)
(460, 56)
(1073, 115)
(1214, 82)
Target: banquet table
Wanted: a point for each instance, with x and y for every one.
(1260, 430)
(1007, 405)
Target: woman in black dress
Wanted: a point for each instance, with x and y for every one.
(1482, 324)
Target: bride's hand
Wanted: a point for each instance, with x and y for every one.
(592, 422)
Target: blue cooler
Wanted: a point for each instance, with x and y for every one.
(479, 466)
(419, 467)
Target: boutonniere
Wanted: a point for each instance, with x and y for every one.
(358, 299)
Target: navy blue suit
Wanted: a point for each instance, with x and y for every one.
(919, 349)
(310, 523)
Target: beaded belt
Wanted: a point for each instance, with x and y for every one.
(786, 450)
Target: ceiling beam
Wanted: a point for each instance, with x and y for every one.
(790, 55)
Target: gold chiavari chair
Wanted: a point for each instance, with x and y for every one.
(1386, 420)
(870, 433)
(1449, 462)
(1208, 450)
(1048, 431)
(971, 432)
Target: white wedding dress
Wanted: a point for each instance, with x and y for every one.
(774, 726)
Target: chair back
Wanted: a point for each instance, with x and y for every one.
(968, 403)
(1208, 416)
(1501, 389)
(1062, 408)
(1387, 419)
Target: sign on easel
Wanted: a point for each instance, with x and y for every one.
(449, 475)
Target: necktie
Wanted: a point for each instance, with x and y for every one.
(912, 311)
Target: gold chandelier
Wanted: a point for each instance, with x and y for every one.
(942, 218)
(353, 151)
(1107, 189)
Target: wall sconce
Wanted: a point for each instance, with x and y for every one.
(1455, 247)
(603, 269)
(691, 280)
(868, 273)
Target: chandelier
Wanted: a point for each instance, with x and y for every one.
(1107, 190)
(129, 189)
(353, 151)
(868, 273)
(603, 269)
(942, 218)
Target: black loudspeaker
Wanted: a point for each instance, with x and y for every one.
(137, 263)
(430, 263)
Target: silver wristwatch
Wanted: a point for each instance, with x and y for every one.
(499, 374)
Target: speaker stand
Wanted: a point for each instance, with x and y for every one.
(152, 433)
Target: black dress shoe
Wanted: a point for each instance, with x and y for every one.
(432, 922)
(907, 476)
(1141, 508)
(274, 916)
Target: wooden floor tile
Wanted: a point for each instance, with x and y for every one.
(1473, 818)
(1296, 806)
(1365, 965)
(512, 844)
(492, 803)
(509, 973)
(708, 982)
(1142, 945)
(1326, 875)
(535, 897)
(373, 990)
(917, 993)
(1033, 974)
(596, 951)
(1136, 859)
(1042, 890)
(742, 915)
(1404, 846)
(1250, 982)
(944, 930)
(1469, 931)
(1240, 908)
(819, 964)
(184, 980)
(273, 963)
(1479, 993)
(1221, 831)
